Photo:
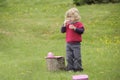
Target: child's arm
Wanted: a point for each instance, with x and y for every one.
(63, 29)
(78, 30)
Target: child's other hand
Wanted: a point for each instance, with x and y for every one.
(72, 27)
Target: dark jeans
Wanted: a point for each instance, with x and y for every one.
(73, 56)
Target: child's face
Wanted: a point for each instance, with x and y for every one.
(71, 18)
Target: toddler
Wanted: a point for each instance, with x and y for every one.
(74, 30)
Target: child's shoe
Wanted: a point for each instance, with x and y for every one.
(80, 70)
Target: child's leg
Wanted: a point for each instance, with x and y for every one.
(69, 57)
(77, 56)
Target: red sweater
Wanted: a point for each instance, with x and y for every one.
(74, 35)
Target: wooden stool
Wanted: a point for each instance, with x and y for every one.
(55, 63)
(80, 77)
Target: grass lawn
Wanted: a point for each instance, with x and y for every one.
(29, 29)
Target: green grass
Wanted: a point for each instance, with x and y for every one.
(30, 29)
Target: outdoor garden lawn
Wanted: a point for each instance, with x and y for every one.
(29, 29)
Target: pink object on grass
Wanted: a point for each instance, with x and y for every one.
(80, 77)
(50, 55)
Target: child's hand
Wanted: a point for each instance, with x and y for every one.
(65, 22)
(72, 27)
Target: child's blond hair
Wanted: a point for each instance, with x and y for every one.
(73, 12)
